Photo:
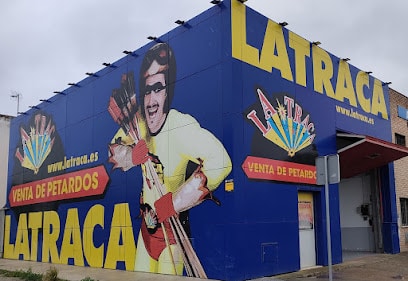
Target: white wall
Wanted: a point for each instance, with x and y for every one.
(353, 193)
(356, 232)
(4, 151)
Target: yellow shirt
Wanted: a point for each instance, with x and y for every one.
(181, 140)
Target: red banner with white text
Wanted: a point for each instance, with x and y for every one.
(78, 184)
(274, 170)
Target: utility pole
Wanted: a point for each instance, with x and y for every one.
(17, 96)
(328, 172)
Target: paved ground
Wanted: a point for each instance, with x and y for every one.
(381, 267)
(77, 273)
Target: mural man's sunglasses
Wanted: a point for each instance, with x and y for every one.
(155, 88)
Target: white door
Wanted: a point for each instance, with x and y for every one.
(306, 230)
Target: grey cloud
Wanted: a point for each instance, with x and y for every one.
(45, 46)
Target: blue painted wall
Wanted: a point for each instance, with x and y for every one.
(255, 230)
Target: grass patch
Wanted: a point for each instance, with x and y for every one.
(28, 275)
(24, 275)
(50, 275)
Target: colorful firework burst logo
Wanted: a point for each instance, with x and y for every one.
(286, 126)
(37, 143)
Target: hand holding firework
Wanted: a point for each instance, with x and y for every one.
(191, 193)
(122, 105)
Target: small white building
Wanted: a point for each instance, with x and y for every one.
(4, 150)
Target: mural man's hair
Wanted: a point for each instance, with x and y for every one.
(164, 56)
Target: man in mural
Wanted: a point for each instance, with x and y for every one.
(182, 164)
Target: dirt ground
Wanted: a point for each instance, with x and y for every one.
(379, 267)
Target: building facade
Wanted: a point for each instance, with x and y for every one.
(195, 155)
(4, 144)
(399, 122)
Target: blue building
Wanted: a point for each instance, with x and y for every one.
(195, 154)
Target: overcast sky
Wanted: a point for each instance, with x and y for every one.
(46, 44)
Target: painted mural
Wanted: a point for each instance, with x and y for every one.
(182, 163)
(282, 146)
(187, 152)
